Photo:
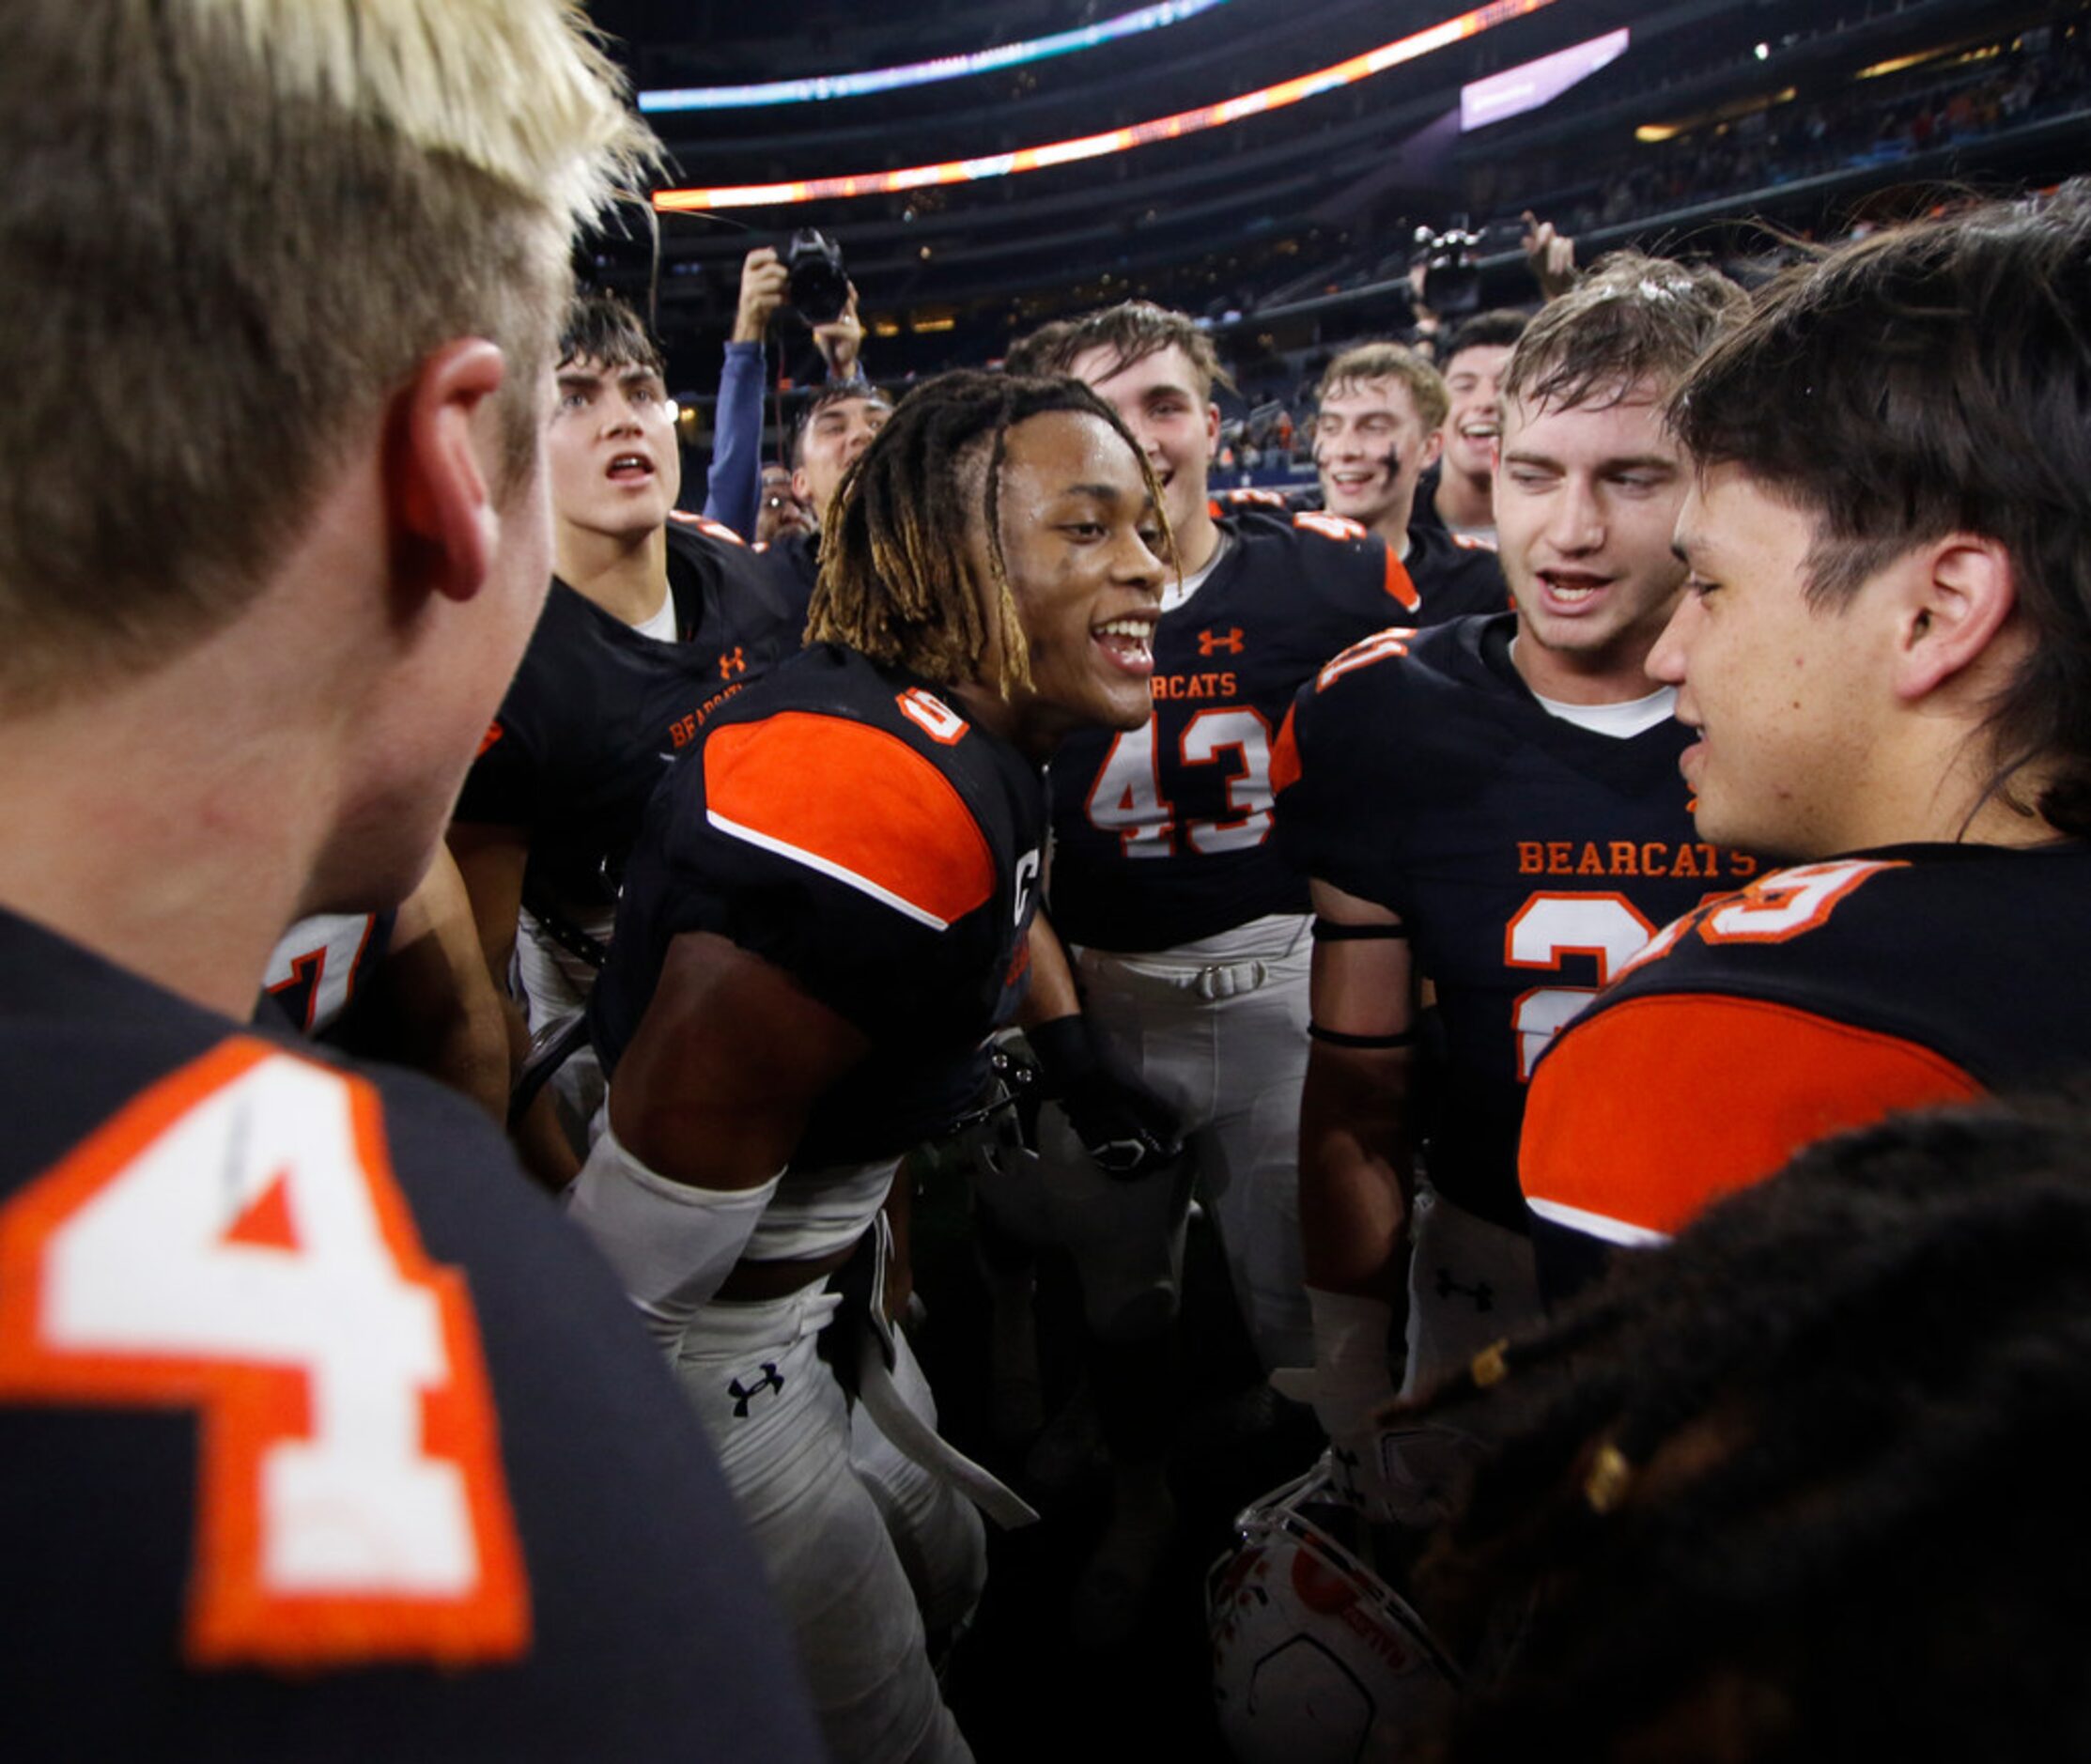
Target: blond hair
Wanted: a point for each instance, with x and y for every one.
(1391, 361)
(230, 231)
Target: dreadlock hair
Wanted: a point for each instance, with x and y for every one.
(600, 328)
(897, 578)
(1633, 319)
(1936, 379)
(1132, 331)
(1807, 1483)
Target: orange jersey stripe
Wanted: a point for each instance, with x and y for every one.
(1399, 584)
(856, 803)
(1649, 1111)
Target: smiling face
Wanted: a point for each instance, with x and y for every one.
(616, 466)
(1165, 401)
(1789, 702)
(1369, 447)
(1586, 501)
(1473, 378)
(1080, 541)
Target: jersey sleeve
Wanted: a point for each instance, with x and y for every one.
(1355, 570)
(507, 783)
(846, 857)
(1646, 1113)
(1333, 795)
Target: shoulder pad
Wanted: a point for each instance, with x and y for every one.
(1329, 526)
(861, 805)
(704, 524)
(1394, 641)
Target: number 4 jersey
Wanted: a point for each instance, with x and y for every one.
(1162, 834)
(1528, 856)
(320, 1434)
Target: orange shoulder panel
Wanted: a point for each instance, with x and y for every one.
(1649, 1112)
(857, 803)
(1399, 583)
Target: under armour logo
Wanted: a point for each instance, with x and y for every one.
(1212, 643)
(1481, 1293)
(771, 1380)
(731, 662)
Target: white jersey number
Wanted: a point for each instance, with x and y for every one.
(1549, 927)
(1127, 800)
(233, 1241)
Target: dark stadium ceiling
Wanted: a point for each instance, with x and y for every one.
(1345, 176)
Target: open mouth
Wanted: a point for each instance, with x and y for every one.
(1129, 643)
(1571, 591)
(629, 468)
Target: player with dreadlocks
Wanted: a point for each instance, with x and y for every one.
(1801, 1485)
(1805, 1485)
(824, 918)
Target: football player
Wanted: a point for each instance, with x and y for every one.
(1492, 805)
(1881, 661)
(824, 917)
(1379, 423)
(1458, 493)
(1188, 933)
(652, 615)
(320, 1436)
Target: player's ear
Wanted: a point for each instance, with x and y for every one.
(1434, 445)
(802, 486)
(443, 460)
(1213, 426)
(1956, 595)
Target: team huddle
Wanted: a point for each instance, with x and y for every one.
(1663, 746)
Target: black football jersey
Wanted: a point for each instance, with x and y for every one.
(1162, 834)
(1528, 856)
(1454, 575)
(843, 821)
(597, 711)
(1823, 996)
(793, 566)
(317, 971)
(321, 1434)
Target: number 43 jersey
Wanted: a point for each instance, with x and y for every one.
(1527, 856)
(1162, 834)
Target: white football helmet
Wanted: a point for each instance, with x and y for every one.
(1315, 1658)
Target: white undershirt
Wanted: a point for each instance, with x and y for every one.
(1620, 721)
(1174, 594)
(662, 625)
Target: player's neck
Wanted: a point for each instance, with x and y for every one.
(170, 824)
(1465, 500)
(1196, 540)
(1392, 526)
(626, 576)
(1568, 678)
(1944, 797)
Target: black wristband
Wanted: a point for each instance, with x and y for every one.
(1336, 1038)
(1333, 931)
(1065, 1051)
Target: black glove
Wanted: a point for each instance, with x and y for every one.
(1128, 1130)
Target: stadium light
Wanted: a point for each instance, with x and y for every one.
(1184, 122)
(829, 85)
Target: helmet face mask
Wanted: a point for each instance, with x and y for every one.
(1314, 1656)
